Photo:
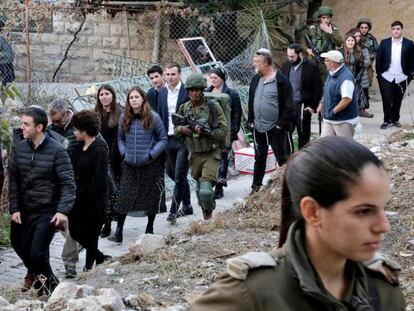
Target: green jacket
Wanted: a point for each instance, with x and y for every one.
(324, 41)
(204, 142)
(284, 279)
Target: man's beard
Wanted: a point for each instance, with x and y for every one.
(296, 62)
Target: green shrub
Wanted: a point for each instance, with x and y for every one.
(5, 229)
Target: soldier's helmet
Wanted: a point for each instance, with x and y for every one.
(364, 20)
(324, 10)
(195, 81)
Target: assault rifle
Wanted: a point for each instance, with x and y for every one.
(310, 44)
(191, 121)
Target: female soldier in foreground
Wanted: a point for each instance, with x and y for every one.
(333, 220)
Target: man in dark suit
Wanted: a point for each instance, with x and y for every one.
(169, 100)
(395, 68)
(155, 74)
(304, 75)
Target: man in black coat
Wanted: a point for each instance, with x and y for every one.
(304, 75)
(395, 68)
(271, 114)
(169, 100)
(155, 74)
(41, 193)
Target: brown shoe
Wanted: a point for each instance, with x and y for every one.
(28, 282)
(365, 114)
(207, 214)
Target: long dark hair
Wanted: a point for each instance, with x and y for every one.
(359, 57)
(114, 112)
(145, 114)
(324, 170)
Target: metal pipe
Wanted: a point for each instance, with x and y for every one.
(127, 32)
(157, 34)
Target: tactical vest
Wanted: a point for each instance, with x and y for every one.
(321, 39)
(197, 143)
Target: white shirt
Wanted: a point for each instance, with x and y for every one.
(395, 71)
(172, 104)
(347, 90)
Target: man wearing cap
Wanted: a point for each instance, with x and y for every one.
(219, 85)
(271, 114)
(339, 107)
(307, 89)
(41, 193)
(395, 69)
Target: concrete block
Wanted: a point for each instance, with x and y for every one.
(102, 29)
(52, 50)
(123, 43)
(65, 39)
(80, 52)
(117, 29)
(49, 38)
(95, 41)
(81, 67)
(110, 42)
(88, 28)
(99, 54)
(72, 27)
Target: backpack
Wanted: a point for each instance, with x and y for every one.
(224, 101)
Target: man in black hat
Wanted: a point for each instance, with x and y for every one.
(219, 85)
(41, 193)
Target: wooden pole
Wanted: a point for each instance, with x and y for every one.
(28, 61)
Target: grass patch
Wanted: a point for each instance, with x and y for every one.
(5, 229)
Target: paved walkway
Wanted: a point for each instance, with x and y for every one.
(12, 270)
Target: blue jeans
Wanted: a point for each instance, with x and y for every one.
(177, 169)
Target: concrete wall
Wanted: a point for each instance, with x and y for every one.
(381, 12)
(86, 60)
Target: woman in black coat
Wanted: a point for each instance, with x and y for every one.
(219, 85)
(109, 112)
(90, 166)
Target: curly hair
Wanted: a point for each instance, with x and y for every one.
(114, 112)
(88, 121)
(145, 113)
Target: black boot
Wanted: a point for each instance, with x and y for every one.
(218, 192)
(101, 257)
(117, 236)
(106, 230)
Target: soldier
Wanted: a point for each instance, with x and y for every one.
(370, 42)
(324, 36)
(203, 140)
(334, 193)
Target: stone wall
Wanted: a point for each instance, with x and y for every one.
(86, 59)
(382, 13)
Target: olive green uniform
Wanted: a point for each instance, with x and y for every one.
(205, 149)
(284, 279)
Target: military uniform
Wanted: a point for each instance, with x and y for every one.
(322, 40)
(371, 43)
(285, 280)
(205, 148)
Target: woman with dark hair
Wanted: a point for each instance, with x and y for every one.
(334, 194)
(363, 104)
(218, 85)
(90, 166)
(356, 62)
(141, 139)
(109, 112)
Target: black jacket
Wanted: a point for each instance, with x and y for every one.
(236, 108)
(383, 59)
(287, 111)
(162, 103)
(41, 179)
(311, 82)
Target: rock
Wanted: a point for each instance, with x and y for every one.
(66, 291)
(3, 302)
(33, 305)
(131, 301)
(109, 299)
(88, 303)
(150, 242)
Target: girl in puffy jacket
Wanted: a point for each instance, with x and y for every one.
(141, 140)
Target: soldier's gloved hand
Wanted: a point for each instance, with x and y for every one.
(185, 130)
